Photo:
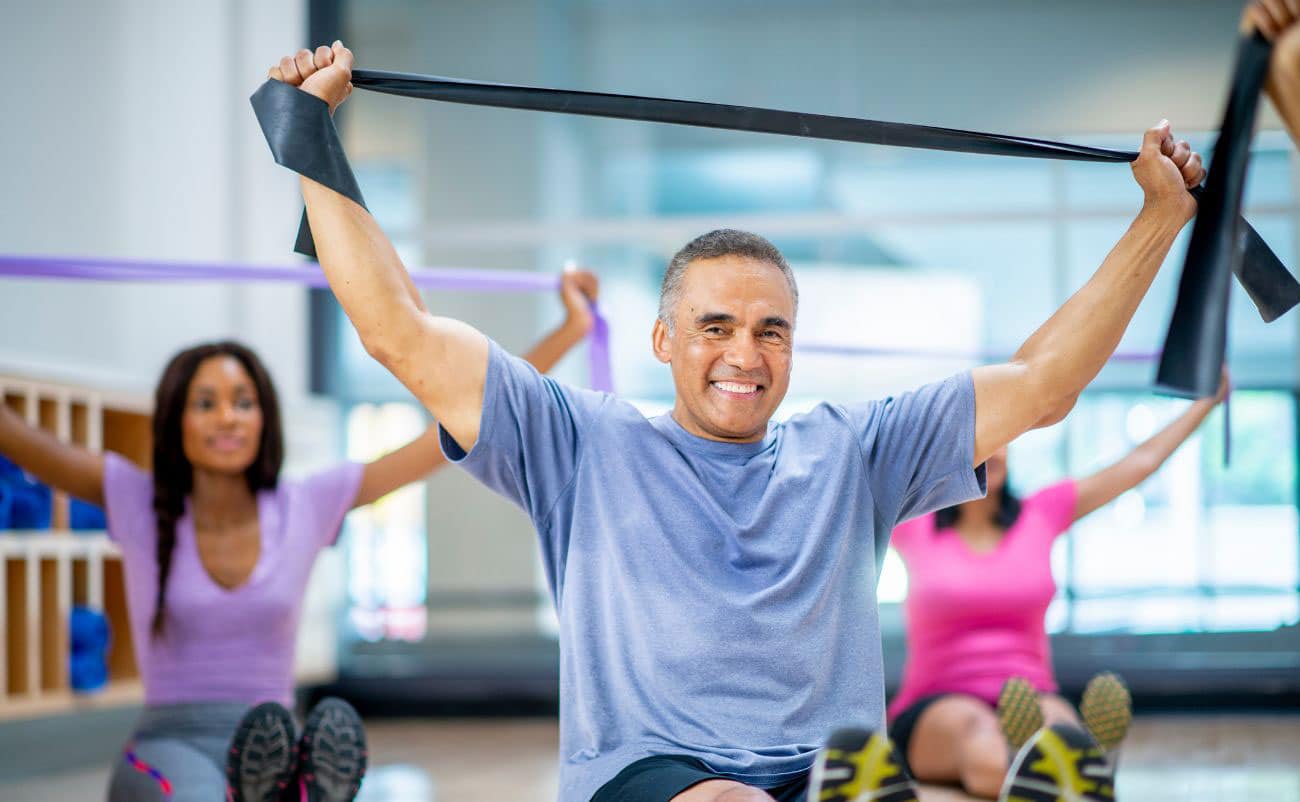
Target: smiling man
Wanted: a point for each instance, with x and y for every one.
(714, 572)
(719, 289)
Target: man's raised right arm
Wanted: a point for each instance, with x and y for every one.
(443, 362)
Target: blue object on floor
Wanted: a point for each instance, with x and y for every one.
(6, 506)
(30, 501)
(9, 470)
(87, 630)
(84, 515)
(89, 636)
(30, 507)
(88, 672)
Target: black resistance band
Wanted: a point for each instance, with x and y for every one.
(303, 138)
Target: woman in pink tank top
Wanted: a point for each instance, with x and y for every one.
(978, 677)
(217, 550)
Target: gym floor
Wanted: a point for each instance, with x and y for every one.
(1167, 758)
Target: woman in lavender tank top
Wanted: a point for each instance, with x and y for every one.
(978, 682)
(217, 550)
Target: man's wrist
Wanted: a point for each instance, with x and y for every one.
(1284, 72)
(1167, 214)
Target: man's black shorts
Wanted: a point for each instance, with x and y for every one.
(659, 778)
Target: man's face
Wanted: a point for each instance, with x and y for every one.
(730, 347)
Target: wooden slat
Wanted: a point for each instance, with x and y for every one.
(121, 657)
(61, 513)
(32, 643)
(32, 407)
(54, 612)
(16, 629)
(4, 622)
(95, 423)
(81, 579)
(130, 435)
(95, 580)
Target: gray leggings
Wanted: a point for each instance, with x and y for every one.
(177, 754)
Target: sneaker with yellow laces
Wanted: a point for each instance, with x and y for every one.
(1061, 763)
(860, 766)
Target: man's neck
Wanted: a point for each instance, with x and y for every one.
(689, 424)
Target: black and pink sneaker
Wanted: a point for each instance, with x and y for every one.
(332, 753)
(263, 755)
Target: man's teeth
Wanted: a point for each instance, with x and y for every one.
(736, 387)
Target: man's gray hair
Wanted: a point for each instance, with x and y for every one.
(713, 245)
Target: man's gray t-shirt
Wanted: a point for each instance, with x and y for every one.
(715, 599)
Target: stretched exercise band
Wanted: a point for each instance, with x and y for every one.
(446, 279)
(452, 279)
(302, 137)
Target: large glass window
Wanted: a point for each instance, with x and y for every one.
(1204, 546)
(950, 254)
(386, 542)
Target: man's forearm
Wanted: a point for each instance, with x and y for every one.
(1039, 384)
(1067, 351)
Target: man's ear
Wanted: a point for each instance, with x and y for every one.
(660, 340)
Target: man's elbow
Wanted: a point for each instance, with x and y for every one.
(1050, 393)
(1057, 410)
(385, 347)
(379, 349)
(389, 339)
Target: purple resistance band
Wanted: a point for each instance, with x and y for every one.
(447, 279)
(451, 279)
(832, 349)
